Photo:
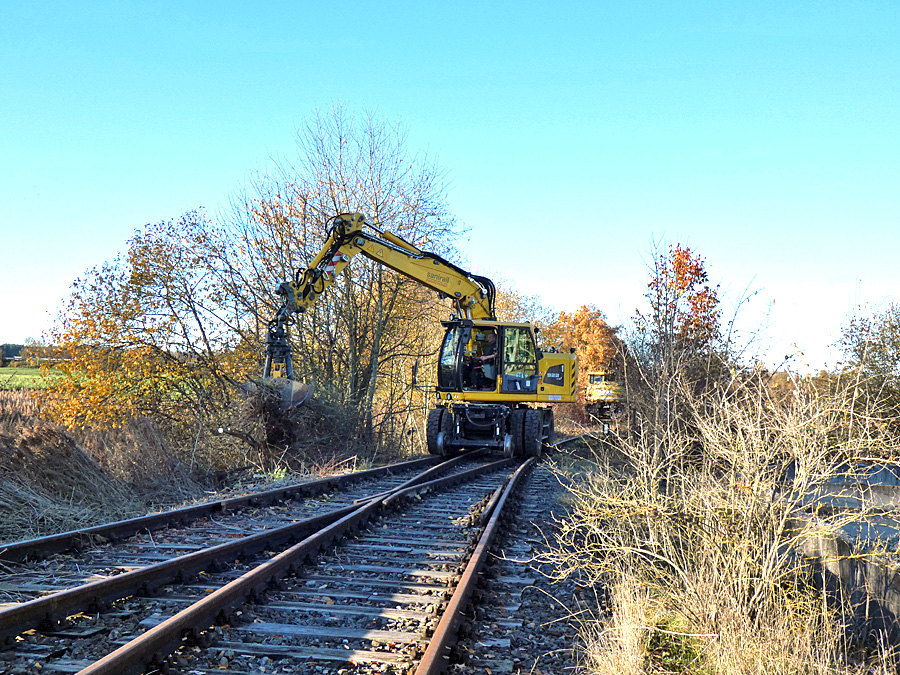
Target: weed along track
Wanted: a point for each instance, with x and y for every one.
(214, 513)
(375, 575)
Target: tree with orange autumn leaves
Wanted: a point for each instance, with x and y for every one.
(684, 307)
(674, 346)
(594, 340)
(150, 333)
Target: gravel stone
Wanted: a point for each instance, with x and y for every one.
(523, 621)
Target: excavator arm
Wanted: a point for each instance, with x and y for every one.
(348, 236)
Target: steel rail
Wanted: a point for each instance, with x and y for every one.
(158, 642)
(570, 439)
(93, 595)
(22, 551)
(436, 656)
(421, 478)
(485, 515)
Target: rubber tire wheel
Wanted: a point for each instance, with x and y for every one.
(517, 429)
(433, 428)
(534, 427)
(447, 427)
(549, 429)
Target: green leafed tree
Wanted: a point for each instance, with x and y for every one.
(871, 351)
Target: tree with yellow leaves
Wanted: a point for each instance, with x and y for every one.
(173, 326)
(151, 334)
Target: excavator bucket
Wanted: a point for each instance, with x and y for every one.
(289, 393)
(294, 393)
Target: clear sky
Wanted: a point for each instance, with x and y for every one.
(765, 135)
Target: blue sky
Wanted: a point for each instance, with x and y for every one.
(765, 135)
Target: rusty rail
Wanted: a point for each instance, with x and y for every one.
(436, 657)
(59, 605)
(157, 643)
(75, 539)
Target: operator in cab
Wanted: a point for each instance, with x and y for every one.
(488, 359)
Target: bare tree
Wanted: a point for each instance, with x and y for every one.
(871, 367)
(352, 340)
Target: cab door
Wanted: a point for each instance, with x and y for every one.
(450, 359)
(519, 361)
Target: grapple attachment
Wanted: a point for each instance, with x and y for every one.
(289, 393)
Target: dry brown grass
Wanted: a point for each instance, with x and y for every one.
(47, 483)
(52, 481)
(17, 407)
(140, 455)
(698, 540)
(617, 644)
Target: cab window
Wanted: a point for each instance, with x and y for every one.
(448, 370)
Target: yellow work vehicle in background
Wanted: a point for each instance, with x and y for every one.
(492, 381)
(604, 396)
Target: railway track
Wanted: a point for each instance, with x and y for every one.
(77, 540)
(371, 576)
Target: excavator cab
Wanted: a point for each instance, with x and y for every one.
(604, 396)
(519, 362)
(489, 376)
(487, 357)
(462, 365)
(479, 360)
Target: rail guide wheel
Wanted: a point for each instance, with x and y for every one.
(549, 432)
(517, 431)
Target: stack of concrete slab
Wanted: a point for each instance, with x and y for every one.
(857, 550)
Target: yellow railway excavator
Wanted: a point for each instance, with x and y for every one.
(604, 396)
(493, 382)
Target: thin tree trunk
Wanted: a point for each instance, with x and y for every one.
(376, 354)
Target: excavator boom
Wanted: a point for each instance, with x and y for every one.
(350, 235)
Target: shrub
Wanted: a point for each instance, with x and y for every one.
(698, 534)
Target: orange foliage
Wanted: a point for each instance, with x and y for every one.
(147, 333)
(594, 340)
(683, 303)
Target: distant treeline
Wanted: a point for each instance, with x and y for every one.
(9, 352)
